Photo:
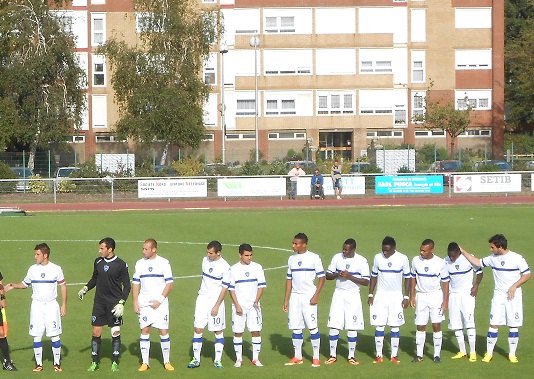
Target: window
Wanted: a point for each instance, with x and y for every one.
(418, 105)
(335, 20)
(478, 99)
(280, 107)
(385, 133)
(473, 59)
(429, 133)
(209, 137)
(335, 61)
(418, 66)
(210, 69)
(287, 62)
(376, 20)
(335, 103)
(98, 28)
(472, 18)
(476, 133)
(100, 111)
(78, 139)
(238, 136)
(280, 24)
(379, 102)
(400, 116)
(246, 107)
(287, 135)
(99, 71)
(247, 21)
(376, 61)
(418, 25)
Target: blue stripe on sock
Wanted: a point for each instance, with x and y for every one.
(352, 339)
(315, 336)
(334, 338)
(379, 333)
(197, 339)
(37, 345)
(395, 334)
(513, 334)
(56, 343)
(296, 336)
(492, 335)
(219, 340)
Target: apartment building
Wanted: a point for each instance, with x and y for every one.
(322, 76)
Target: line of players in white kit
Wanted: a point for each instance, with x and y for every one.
(432, 286)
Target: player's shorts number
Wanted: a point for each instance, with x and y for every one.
(216, 320)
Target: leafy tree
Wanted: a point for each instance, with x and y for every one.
(41, 96)
(157, 83)
(442, 115)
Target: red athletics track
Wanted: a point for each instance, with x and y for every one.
(351, 202)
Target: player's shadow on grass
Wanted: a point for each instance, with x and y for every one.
(48, 356)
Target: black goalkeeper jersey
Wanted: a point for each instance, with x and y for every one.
(111, 279)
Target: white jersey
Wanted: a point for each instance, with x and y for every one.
(215, 275)
(302, 271)
(357, 266)
(153, 275)
(390, 271)
(428, 273)
(245, 280)
(44, 281)
(461, 274)
(507, 269)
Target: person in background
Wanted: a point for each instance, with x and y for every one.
(294, 173)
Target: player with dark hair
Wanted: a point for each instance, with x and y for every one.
(151, 284)
(4, 346)
(45, 313)
(462, 299)
(209, 307)
(301, 297)
(431, 301)
(388, 304)
(112, 282)
(350, 271)
(510, 272)
(247, 281)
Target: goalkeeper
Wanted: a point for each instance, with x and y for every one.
(112, 282)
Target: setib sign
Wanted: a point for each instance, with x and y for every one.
(487, 183)
(235, 187)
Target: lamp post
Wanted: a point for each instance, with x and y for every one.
(255, 43)
(223, 50)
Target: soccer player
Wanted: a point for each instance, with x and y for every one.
(209, 308)
(462, 299)
(510, 272)
(45, 313)
(431, 300)
(151, 284)
(388, 304)
(335, 172)
(4, 346)
(247, 281)
(350, 271)
(301, 297)
(112, 282)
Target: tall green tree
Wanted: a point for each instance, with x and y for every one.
(158, 84)
(440, 114)
(41, 82)
(519, 68)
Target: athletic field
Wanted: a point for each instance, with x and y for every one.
(182, 236)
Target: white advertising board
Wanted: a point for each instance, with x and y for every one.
(235, 187)
(165, 188)
(487, 183)
(352, 185)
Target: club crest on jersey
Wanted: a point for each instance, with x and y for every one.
(247, 274)
(106, 268)
(347, 266)
(426, 269)
(42, 274)
(300, 263)
(144, 318)
(374, 317)
(502, 263)
(150, 269)
(457, 267)
(390, 264)
(210, 270)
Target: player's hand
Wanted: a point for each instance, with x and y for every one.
(405, 303)
(314, 300)
(118, 310)
(412, 302)
(370, 300)
(284, 307)
(63, 310)
(215, 310)
(8, 287)
(3, 303)
(511, 292)
(82, 292)
(155, 304)
(474, 290)
(238, 309)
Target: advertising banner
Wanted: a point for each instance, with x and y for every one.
(352, 185)
(487, 183)
(234, 187)
(166, 188)
(408, 184)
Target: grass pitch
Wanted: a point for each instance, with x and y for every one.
(182, 237)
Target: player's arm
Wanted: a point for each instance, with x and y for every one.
(90, 284)
(413, 283)
(289, 286)
(258, 297)
(11, 286)
(126, 285)
(320, 284)
(407, 291)
(161, 298)
(238, 308)
(445, 304)
(471, 258)
(332, 275)
(522, 280)
(63, 289)
(479, 276)
(219, 301)
(372, 286)
(136, 287)
(2, 296)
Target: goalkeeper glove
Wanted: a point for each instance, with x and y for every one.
(82, 292)
(118, 310)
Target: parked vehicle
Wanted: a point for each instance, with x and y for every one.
(23, 173)
(65, 172)
(445, 167)
(499, 163)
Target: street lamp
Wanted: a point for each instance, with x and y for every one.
(255, 43)
(223, 50)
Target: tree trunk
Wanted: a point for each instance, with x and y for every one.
(164, 154)
(31, 158)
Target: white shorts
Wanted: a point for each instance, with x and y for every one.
(428, 304)
(387, 309)
(461, 311)
(157, 318)
(45, 316)
(251, 318)
(203, 316)
(346, 311)
(301, 313)
(505, 311)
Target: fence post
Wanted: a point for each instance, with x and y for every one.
(112, 189)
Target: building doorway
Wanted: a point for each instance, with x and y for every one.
(335, 145)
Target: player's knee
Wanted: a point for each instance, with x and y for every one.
(115, 331)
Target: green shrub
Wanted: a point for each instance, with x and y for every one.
(188, 167)
(38, 186)
(7, 173)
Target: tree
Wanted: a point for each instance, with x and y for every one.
(41, 95)
(157, 84)
(443, 115)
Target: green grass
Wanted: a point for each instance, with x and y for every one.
(182, 237)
